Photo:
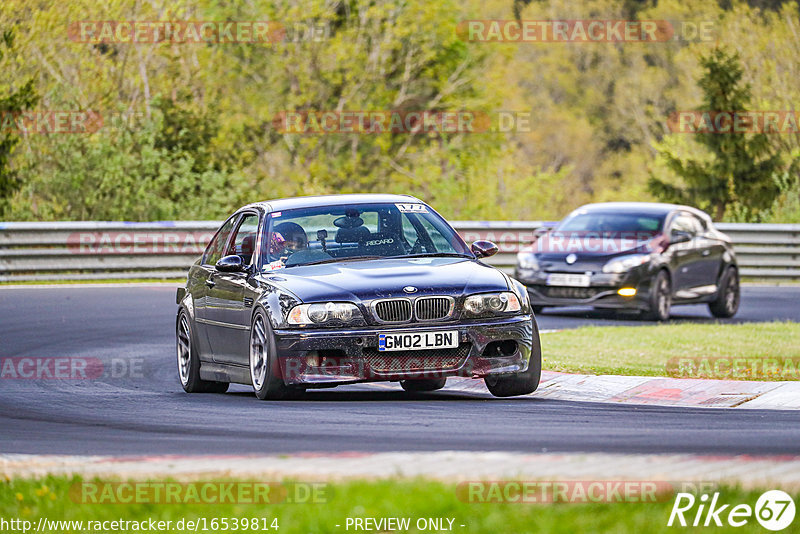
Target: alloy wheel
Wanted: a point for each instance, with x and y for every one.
(184, 349)
(258, 353)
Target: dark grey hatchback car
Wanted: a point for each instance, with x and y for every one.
(315, 292)
(634, 255)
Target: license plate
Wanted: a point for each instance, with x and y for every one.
(572, 280)
(418, 340)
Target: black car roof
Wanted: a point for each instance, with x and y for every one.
(649, 208)
(329, 200)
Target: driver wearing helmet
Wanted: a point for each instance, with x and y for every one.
(287, 238)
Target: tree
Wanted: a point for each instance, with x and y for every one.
(741, 169)
(23, 98)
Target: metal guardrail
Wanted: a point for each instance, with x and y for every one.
(120, 250)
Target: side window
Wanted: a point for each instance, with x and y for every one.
(215, 249)
(244, 241)
(701, 224)
(685, 223)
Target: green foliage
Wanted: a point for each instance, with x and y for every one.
(741, 168)
(150, 172)
(15, 101)
(205, 140)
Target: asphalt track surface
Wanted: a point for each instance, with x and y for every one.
(138, 407)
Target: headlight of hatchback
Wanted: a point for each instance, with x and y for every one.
(492, 304)
(527, 260)
(624, 264)
(321, 313)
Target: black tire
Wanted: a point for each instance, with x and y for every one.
(265, 372)
(520, 383)
(660, 298)
(728, 295)
(537, 309)
(428, 384)
(189, 360)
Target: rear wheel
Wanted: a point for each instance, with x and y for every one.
(727, 302)
(428, 384)
(660, 298)
(520, 383)
(265, 372)
(189, 361)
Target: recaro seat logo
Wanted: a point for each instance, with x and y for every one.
(376, 242)
(774, 510)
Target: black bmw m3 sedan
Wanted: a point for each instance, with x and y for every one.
(320, 291)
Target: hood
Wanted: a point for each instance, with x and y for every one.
(369, 279)
(589, 248)
(589, 244)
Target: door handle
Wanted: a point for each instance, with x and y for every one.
(706, 252)
(210, 282)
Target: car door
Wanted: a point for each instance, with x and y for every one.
(686, 256)
(711, 257)
(228, 310)
(204, 278)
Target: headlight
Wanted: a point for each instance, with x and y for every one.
(306, 314)
(492, 303)
(624, 264)
(526, 260)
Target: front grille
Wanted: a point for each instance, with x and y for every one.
(559, 292)
(409, 361)
(393, 310)
(433, 308)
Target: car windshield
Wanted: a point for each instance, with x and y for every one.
(608, 222)
(325, 234)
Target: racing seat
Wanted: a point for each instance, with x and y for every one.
(382, 244)
(247, 247)
(352, 235)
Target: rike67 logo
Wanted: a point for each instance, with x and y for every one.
(774, 511)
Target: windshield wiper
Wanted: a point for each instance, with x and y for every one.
(334, 260)
(435, 255)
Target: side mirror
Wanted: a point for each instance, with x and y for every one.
(230, 264)
(483, 249)
(679, 237)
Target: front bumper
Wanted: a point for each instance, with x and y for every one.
(602, 291)
(330, 357)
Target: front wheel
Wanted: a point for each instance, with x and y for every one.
(520, 383)
(727, 302)
(660, 298)
(265, 372)
(189, 361)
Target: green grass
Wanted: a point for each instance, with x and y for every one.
(50, 498)
(645, 350)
